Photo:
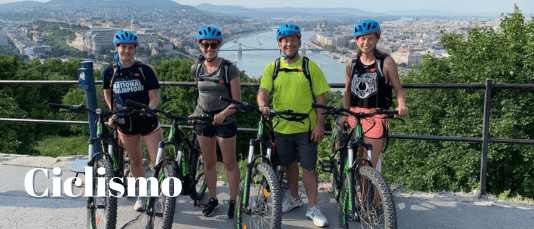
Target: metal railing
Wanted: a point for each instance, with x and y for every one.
(485, 139)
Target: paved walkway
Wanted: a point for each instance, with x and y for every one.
(415, 210)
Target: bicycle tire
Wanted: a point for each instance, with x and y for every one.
(162, 211)
(368, 215)
(102, 211)
(197, 170)
(263, 185)
(336, 170)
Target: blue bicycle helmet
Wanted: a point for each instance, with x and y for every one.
(209, 32)
(366, 27)
(287, 30)
(125, 37)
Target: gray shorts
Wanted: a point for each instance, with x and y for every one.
(289, 145)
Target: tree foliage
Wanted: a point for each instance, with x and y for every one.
(482, 53)
(31, 101)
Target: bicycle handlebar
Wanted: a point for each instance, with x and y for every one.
(335, 110)
(153, 110)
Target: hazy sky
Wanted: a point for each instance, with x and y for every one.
(527, 6)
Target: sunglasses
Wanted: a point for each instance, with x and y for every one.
(213, 45)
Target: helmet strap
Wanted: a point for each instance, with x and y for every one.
(288, 57)
(208, 60)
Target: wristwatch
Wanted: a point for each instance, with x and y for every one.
(263, 105)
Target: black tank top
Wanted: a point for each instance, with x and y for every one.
(369, 88)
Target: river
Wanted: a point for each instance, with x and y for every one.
(253, 62)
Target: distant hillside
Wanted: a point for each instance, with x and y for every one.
(23, 4)
(426, 12)
(284, 12)
(140, 4)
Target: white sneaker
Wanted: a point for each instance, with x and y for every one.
(290, 203)
(140, 204)
(318, 218)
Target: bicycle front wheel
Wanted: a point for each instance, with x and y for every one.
(264, 208)
(102, 210)
(161, 212)
(369, 202)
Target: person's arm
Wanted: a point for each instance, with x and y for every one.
(391, 73)
(263, 98)
(346, 94)
(107, 96)
(318, 132)
(154, 98)
(235, 86)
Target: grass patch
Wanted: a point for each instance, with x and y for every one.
(56, 146)
(508, 197)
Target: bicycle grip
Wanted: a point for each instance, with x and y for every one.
(322, 106)
(226, 99)
(57, 106)
(135, 104)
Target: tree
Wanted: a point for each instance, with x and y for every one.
(505, 57)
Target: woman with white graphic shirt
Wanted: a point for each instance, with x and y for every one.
(369, 82)
(129, 79)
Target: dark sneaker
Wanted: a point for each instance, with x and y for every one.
(210, 207)
(231, 209)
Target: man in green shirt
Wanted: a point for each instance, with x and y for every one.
(295, 83)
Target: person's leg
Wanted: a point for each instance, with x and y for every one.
(207, 146)
(152, 141)
(307, 151)
(227, 146)
(292, 171)
(132, 145)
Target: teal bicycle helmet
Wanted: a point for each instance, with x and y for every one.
(287, 30)
(209, 32)
(367, 27)
(125, 37)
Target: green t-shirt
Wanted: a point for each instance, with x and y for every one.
(292, 91)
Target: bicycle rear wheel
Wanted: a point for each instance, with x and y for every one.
(102, 211)
(264, 209)
(161, 212)
(372, 201)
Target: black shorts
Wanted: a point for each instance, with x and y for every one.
(224, 130)
(288, 146)
(138, 125)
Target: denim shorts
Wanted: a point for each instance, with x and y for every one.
(224, 130)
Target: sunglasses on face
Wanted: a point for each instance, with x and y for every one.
(212, 45)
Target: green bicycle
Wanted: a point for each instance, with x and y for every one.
(363, 194)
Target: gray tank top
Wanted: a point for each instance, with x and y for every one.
(209, 92)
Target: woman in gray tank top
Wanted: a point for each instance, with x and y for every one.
(216, 77)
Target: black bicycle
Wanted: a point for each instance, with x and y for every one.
(259, 200)
(188, 167)
(363, 194)
(102, 210)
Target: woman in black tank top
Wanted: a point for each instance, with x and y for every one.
(369, 79)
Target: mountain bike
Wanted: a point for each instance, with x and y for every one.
(188, 167)
(363, 194)
(259, 201)
(101, 210)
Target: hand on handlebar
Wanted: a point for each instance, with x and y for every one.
(111, 121)
(218, 119)
(403, 110)
(266, 111)
(192, 121)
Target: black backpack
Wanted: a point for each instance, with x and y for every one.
(304, 70)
